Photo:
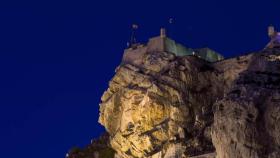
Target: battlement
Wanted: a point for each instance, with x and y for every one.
(164, 44)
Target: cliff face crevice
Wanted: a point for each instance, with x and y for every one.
(166, 106)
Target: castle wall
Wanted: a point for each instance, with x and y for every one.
(156, 44)
(164, 44)
(134, 56)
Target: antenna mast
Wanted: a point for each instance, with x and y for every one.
(133, 40)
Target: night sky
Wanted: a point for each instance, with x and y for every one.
(56, 58)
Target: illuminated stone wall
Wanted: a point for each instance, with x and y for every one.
(164, 44)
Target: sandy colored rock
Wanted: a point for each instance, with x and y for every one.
(165, 106)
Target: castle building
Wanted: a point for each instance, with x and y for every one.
(164, 44)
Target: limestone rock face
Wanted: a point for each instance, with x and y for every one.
(246, 120)
(161, 108)
(165, 106)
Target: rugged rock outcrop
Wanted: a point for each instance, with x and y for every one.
(246, 120)
(165, 106)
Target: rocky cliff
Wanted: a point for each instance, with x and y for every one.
(167, 106)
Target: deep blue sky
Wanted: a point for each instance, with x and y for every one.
(56, 58)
